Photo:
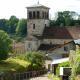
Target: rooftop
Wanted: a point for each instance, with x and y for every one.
(38, 5)
(61, 33)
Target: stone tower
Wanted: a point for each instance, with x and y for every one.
(37, 19)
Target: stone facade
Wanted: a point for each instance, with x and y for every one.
(38, 21)
(39, 26)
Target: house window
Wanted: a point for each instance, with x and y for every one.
(34, 14)
(38, 14)
(30, 15)
(65, 48)
(33, 26)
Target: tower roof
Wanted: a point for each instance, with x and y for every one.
(38, 5)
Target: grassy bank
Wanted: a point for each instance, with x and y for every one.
(13, 64)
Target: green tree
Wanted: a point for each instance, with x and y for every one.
(21, 29)
(60, 19)
(52, 23)
(5, 45)
(4, 24)
(66, 18)
(13, 21)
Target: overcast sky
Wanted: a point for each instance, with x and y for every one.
(17, 7)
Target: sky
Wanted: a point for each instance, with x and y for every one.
(18, 7)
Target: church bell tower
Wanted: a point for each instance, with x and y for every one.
(37, 19)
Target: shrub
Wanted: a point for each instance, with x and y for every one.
(36, 59)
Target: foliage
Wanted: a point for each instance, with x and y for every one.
(66, 18)
(5, 45)
(75, 64)
(53, 77)
(13, 21)
(4, 24)
(64, 64)
(21, 29)
(16, 28)
(76, 68)
(14, 64)
(36, 59)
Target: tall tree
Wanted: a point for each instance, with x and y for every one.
(21, 29)
(66, 18)
(13, 21)
(4, 24)
(60, 19)
(5, 45)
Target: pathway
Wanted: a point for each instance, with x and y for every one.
(44, 77)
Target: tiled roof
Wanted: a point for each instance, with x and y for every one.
(61, 33)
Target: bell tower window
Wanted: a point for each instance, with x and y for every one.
(38, 14)
(33, 26)
(47, 15)
(34, 14)
(30, 15)
(43, 15)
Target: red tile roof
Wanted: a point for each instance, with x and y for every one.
(61, 33)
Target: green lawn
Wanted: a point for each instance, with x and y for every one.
(13, 64)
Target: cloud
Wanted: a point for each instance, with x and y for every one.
(17, 7)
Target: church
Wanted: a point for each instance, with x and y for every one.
(57, 41)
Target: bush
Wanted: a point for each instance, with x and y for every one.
(36, 59)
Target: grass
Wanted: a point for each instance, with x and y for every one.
(53, 77)
(13, 64)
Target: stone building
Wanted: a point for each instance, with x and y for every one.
(56, 40)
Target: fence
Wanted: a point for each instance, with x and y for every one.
(22, 76)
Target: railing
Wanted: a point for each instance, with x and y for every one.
(22, 76)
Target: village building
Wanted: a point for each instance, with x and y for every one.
(56, 41)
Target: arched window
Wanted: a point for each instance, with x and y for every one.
(43, 15)
(30, 15)
(33, 26)
(38, 14)
(34, 15)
